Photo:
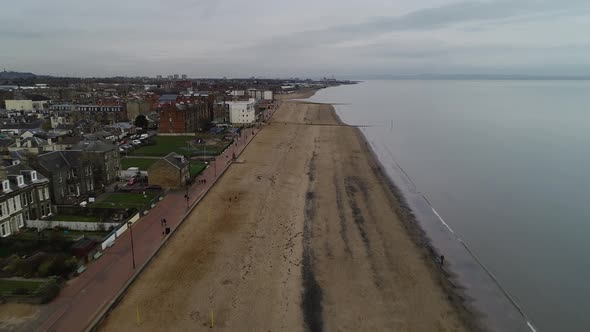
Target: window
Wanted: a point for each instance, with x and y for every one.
(40, 192)
(43, 210)
(4, 229)
(2, 209)
(34, 175)
(60, 178)
(5, 185)
(46, 192)
(27, 215)
(23, 199)
(20, 180)
(31, 194)
(11, 207)
(17, 203)
(19, 221)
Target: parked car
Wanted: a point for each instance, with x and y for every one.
(136, 142)
(132, 181)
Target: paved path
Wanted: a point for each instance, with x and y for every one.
(84, 297)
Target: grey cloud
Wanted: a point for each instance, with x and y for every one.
(230, 37)
(427, 19)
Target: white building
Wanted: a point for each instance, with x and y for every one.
(26, 105)
(242, 112)
(238, 93)
(268, 95)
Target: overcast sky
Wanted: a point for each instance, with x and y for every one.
(271, 38)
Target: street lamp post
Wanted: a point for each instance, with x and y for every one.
(132, 250)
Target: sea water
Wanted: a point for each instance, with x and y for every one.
(497, 173)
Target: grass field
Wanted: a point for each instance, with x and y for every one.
(142, 163)
(8, 286)
(125, 200)
(196, 168)
(180, 144)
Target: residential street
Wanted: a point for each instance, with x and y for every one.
(84, 297)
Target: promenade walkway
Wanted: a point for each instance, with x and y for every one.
(84, 298)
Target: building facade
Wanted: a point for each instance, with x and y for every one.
(183, 114)
(25, 196)
(105, 160)
(171, 171)
(26, 105)
(136, 107)
(71, 175)
(242, 112)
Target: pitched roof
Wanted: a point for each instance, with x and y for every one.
(58, 160)
(36, 142)
(94, 146)
(167, 98)
(22, 125)
(19, 169)
(123, 125)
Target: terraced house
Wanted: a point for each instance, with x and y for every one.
(71, 175)
(25, 196)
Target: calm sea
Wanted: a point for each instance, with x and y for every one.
(506, 165)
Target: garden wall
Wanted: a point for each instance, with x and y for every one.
(73, 225)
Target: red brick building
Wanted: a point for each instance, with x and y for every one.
(182, 114)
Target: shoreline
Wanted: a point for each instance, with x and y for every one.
(455, 293)
(456, 296)
(473, 314)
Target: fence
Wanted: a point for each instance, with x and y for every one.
(73, 225)
(118, 232)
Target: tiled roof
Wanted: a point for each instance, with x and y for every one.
(94, 146)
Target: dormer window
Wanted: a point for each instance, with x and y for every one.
(34, 175)
(20, 180)
(5, 185)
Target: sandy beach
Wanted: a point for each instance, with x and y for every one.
(305, 234)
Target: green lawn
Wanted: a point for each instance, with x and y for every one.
(180, 144)
(63, 217)
(196, 167)
(8, 286)
(142, 163)
(125, 200)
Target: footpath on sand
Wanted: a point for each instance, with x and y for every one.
(85, 297)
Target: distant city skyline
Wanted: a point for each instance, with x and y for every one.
(304, 38)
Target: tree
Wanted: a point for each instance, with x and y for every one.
(46, 125)
(141, 122)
